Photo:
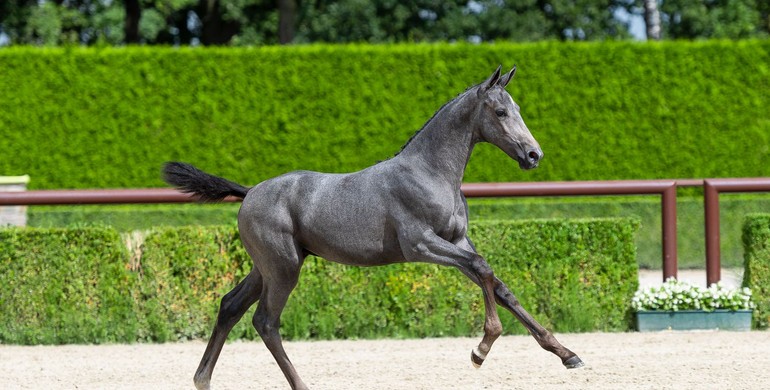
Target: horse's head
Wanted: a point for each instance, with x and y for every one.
(501, 122)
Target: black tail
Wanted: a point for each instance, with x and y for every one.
(191, 180)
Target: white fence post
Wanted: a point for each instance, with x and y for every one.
(13, 215)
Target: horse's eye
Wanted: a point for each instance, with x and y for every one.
(501, 112)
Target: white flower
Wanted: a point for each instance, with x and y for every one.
(676, 295)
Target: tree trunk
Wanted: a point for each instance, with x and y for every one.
(652, 19)
(287, 12)
(131, 27)
(216, 30)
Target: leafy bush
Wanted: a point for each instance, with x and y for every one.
(571, 275)
(109, 117)
(756, 241)
(66, 286)
(185, 272)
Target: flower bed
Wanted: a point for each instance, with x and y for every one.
(678, 305)
(674, 295)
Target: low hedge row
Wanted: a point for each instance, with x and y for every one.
(82, 285)
(65, 286)
(756, 242)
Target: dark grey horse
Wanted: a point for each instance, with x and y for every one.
(406, 209)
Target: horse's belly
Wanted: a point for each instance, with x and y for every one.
(353, 247)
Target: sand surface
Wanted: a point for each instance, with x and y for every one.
(664, 360)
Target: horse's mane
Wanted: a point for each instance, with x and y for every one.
(431, 119)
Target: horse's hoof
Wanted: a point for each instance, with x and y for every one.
(574, 362)
(202, 383)
(476, 359)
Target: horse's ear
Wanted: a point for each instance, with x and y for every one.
(491, 81)
(507, 78)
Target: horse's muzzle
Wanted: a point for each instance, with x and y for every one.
(531, 159)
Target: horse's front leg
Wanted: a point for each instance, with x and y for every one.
(506, 299)
(433, 249)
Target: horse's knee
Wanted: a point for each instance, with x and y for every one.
(482, 268)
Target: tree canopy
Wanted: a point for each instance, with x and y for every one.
(257, 22)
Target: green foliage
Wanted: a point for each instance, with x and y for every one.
(50, 23)
(65, 286)
(254, 22)
(734, 19)
(756, 241)
(571, 275)
(459, 20)
(110, 117)
(127, 218)
(185, 272)
(250, 22)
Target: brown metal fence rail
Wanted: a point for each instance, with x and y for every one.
(665, 188)
(711, 190)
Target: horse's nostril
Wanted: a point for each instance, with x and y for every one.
(534, 155)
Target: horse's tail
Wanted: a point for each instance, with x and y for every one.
(208, 188)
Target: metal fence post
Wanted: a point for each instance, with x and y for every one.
(668, 211)
(711, 220)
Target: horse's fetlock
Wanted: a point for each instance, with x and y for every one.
(493, 328)
(547, 341)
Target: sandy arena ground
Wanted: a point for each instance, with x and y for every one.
(664, 360)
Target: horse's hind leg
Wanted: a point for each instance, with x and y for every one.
(267, 318)
(267, 322)
(231, 309)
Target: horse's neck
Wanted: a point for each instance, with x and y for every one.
(445, 143)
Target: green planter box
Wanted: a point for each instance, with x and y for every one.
(650, 321)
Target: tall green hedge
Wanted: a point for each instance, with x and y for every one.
(108, 117)
(81, 285)
(756, 241)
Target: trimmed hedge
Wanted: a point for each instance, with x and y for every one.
(185, 273)
(65, 286)
(756, 241)
(571, 275)
(109, 117)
